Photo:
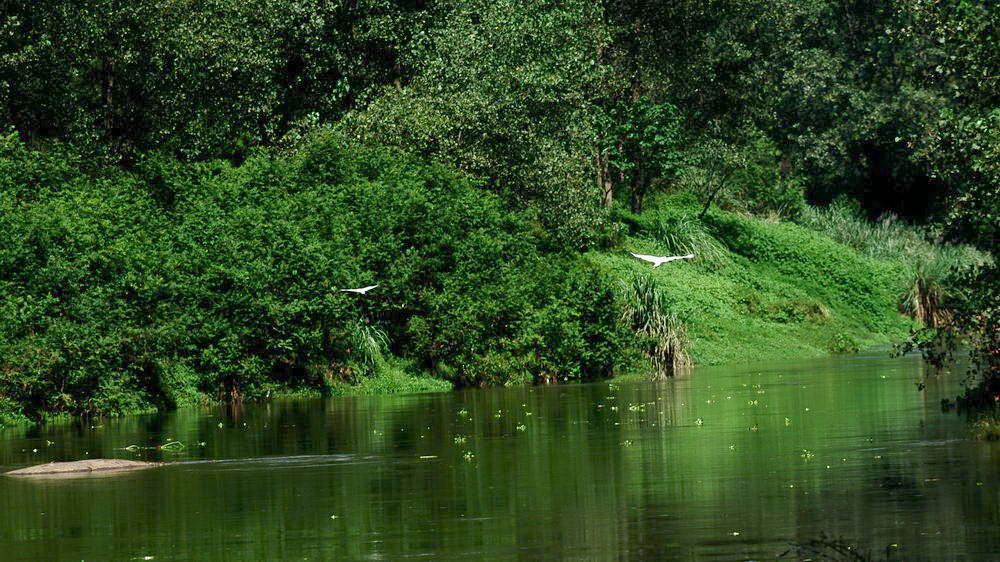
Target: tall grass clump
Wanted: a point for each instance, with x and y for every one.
(368, 345)
(885, 238)
(928, 288)
(687, 234)
(646, 312)
(931, 290)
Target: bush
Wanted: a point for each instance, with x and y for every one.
(126, 291)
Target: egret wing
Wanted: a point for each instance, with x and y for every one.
(653, 259)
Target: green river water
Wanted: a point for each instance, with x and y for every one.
(730, 463)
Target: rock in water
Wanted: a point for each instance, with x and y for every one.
(82, 468)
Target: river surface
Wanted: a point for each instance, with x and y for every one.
(732, 463)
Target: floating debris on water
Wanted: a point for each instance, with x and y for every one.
(469, 455)
(170, 446)
(699, 421)
(459, 439)
(521, 427)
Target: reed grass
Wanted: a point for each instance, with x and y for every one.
(646, 312)
(885, 238)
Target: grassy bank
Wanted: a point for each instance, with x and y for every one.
(762, 289)
(171, 284)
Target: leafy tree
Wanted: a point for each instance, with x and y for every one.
(201, 79)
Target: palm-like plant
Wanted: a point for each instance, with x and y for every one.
(647, 313)
(368, 345)
(928, 287)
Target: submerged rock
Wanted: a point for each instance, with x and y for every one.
(82, 468)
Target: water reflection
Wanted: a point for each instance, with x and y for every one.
(845, 447)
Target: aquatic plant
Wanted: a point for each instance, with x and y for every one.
(172, 446)
(987, 427)
(646, 312)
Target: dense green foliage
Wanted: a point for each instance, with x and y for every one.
(127, 290)
(181, 212)
(767, 289)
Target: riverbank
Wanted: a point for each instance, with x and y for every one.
(757, 290)
(177, 284)
(762, 289)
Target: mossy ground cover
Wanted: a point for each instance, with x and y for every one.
(775, 290)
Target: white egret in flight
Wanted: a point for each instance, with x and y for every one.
(660, 260)
(360, 291)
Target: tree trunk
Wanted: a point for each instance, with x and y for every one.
(604, 180)
(711, 197)
(638, 189)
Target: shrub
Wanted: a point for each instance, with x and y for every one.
(843, 343)
(125, 291)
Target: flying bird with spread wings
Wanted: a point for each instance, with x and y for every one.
(660, 260)
(360, 291)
